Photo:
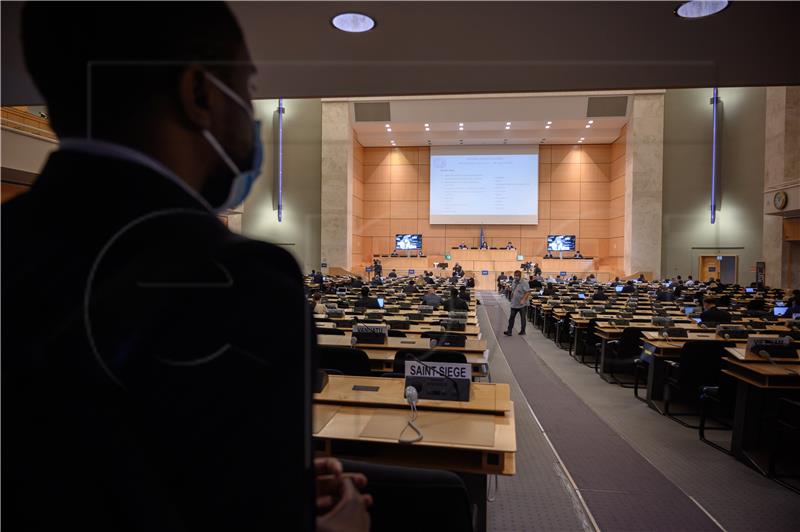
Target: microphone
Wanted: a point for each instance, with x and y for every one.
(412, 397)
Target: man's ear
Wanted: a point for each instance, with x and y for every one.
(195, 97)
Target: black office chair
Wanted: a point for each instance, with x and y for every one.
(621, 356)
(717, 402)
(344, 361)
(589, 344)
(700, 365)
(785, 440)
(445, 338)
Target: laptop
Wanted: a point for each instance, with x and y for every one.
(696, 320)
(581, 296)
(688, 310)
(780, 311)
(380, 302)
(618, 288)
(749, 290)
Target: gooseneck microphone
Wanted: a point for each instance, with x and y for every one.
(412, 397)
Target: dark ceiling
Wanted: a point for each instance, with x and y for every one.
(479, 47)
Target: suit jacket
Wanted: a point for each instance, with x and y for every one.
(715, 315)
(455, 304)
(367, 302)
(140, 353)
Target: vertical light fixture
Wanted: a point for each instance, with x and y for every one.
(714, 104)
(281, 110)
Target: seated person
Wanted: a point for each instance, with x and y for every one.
(535, 283)
(462, 246)
(317, 276)
(578, 255)
(548, 255)
(591, 278)
(410, 288)
(500, 280)
(642, 279)
(509, 245)
(536, 269)
(628, 288)
(711, 313)
(376, 281)
(484, 245)
(689, 281)
(663, 295)
(549, 290)
(393, 254)
(470, 282)
(463, 294)
(317, 306)
(419, 281)
(455, 303)
(429, 278)
(599, 294)
(392, 274)
(356, 282)
(365, 301)
(432, 298)
(615, 282)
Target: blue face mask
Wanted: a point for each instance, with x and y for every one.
(243, 179)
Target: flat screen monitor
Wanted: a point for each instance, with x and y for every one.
(749, 290)
(561, 243)
(408, 241)
(780, 311)
(581, 296)
(618, 288)
(697, 320)
(688, 310)
(380, 302)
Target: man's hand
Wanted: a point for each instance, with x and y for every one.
(337, 495)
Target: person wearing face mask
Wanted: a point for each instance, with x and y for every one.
(151, 351)
(520, 292)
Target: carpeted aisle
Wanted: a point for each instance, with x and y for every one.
(622, 490)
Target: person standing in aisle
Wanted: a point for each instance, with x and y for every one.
(520, 292)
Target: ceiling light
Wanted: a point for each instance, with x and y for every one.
(353, 22)
(387, 125)
(389, 130)
(427, 129)
(700, 8)
(508, 127)
(549, 122)
(547, 127)
(508, 123)
(588, 125)
(461, 124)
(583, 138)
(580, 141)
(461, 129)
(591, 121)
(427, 125)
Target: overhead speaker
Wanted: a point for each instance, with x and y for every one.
(606, 106)
(372, 112)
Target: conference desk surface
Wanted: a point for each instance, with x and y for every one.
(455, 436)
(414, 329)
(396, 344)
(463, 255)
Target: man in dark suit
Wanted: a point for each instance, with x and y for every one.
(628, 288)
(392, 274)
(356, 282)
(711, 314)
(365, 301)
(455, 303)
(599, 294)
(139, 357)
(410, 288)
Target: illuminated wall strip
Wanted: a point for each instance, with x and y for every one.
(281, 110)
(714, 103)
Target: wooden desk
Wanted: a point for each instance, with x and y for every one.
(758, 386)
(382, 356)
(568, 265)
(455, 436)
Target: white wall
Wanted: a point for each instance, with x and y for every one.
(299, 232)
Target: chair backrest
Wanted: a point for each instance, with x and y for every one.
(396, 334)
(446, 339)
(701, 363)
(433, 355)
(348, 360)
(629, 342)
(329, 331)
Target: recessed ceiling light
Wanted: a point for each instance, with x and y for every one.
(508, 123)
(588, 125)
(508, 127)
(427, 125)
(591, 121)
(583, 138)
(461, 124)
(549, 122)
(390, 129)
(427, 129)
(547, 127)
(461, 129)
(353, 22)
(700, 8)
(387, 125)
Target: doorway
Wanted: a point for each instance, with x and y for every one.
(722, 267)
